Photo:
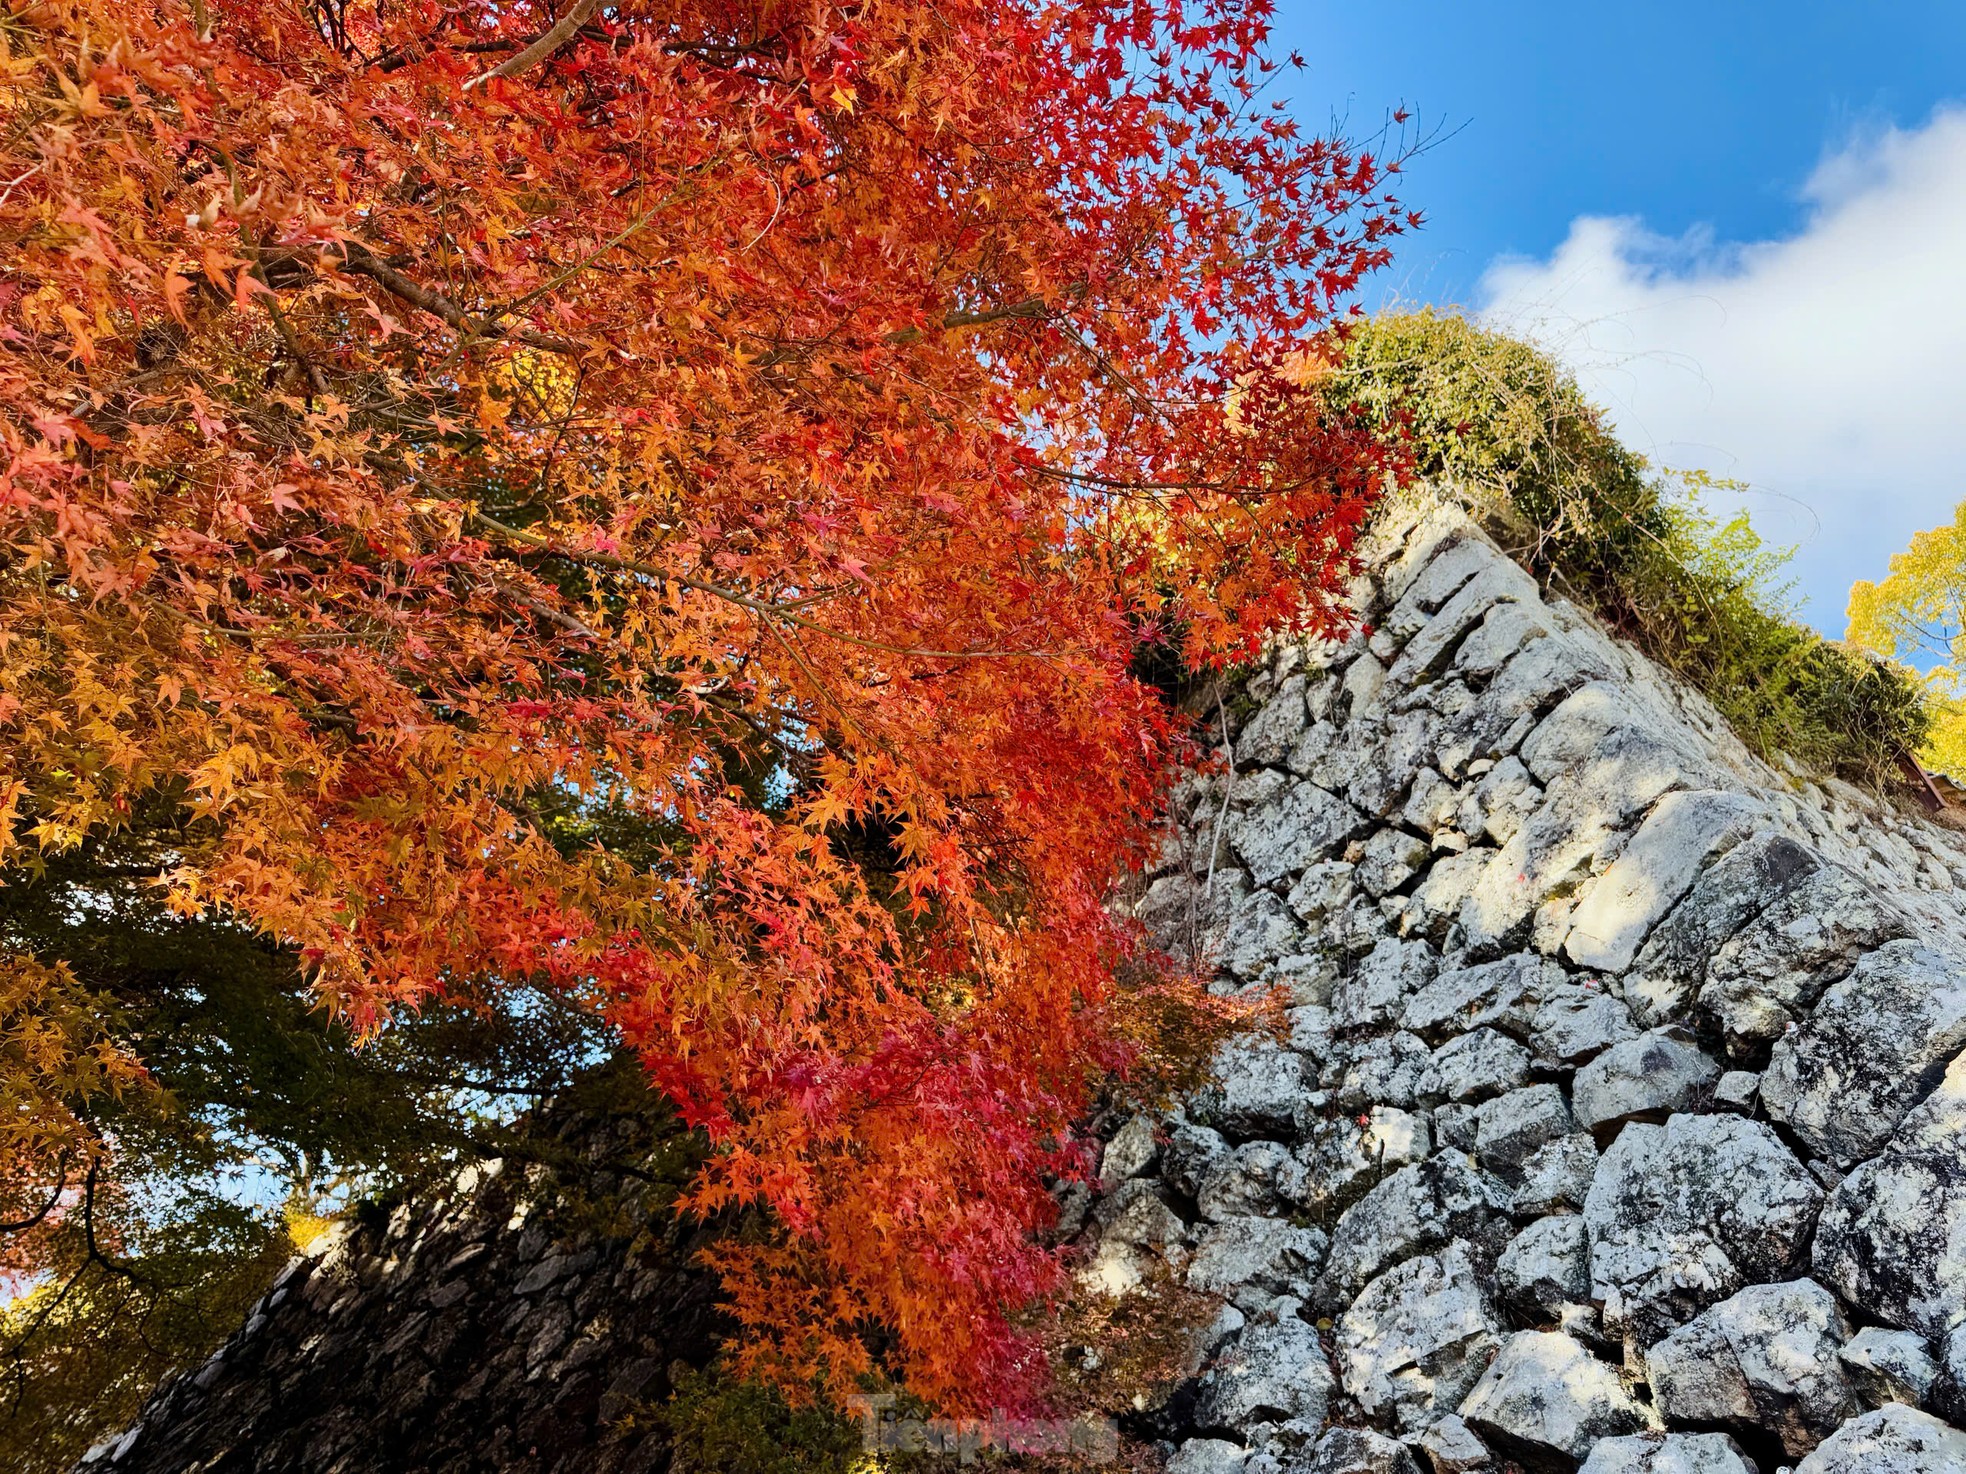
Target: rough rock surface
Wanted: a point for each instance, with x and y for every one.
(1665, 856)
(1131, 1151)
(1274, 1371)
(1892, 1239)
(1208, 1456)
(1416, 1339)
(1357, 1451)
(1889, 1366)
(1426, 1206)
(1875, 1046)
(1684, 1214)
(1546, 1401)
(1675, 1453)
(1547, 1266)
(1892, 1440)
(1642, 1079)
(1252, 1261)
(1451, 1446)
(1765, 1359)
(1625, 1076)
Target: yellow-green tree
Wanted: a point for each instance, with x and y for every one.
(1917, 614)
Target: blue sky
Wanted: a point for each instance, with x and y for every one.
(1744, 225)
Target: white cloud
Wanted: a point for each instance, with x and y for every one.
(1828, 369)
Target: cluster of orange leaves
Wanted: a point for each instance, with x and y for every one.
(54, 1050)
(414, 413)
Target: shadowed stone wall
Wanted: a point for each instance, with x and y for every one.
(514, 1322)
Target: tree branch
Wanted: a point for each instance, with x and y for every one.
(96, 1254)
(730, 596)
(1030, 307)
(61, 1186)
(358, 260)
(554, 38)
(953, 319)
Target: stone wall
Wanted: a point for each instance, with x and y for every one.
(1621, 1121)
(516, 1322)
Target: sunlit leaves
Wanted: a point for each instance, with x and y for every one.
(1917, 613)
(56, 1056)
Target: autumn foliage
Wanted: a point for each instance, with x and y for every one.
(1917, 613)
(660, 506)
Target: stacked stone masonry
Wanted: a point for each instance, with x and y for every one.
(1621, 1124)
(523, 1321)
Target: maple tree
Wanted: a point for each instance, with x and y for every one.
(1917, 613)
(658, 505)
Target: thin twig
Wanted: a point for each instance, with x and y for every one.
(21, 178)
(579, 266)
(1228, 788)
(293, 343)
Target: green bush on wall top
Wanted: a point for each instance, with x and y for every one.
(1497, 422)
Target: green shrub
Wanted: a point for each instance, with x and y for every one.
(719, 1425)
(1496, 422)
